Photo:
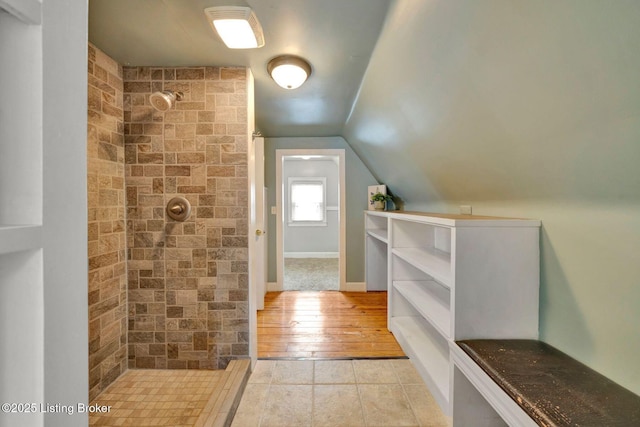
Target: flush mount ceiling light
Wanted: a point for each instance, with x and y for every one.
(289, 71)
(237, 26)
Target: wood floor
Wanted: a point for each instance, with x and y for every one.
(325, 325)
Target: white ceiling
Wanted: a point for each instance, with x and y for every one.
(335, 36)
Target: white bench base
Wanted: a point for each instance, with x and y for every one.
(477, 400)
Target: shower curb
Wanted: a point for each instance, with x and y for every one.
(224, 401)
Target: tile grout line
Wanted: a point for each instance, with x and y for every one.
(413, 410)
(364, 418)
(264, 404)
(404, 392)
(313, 390)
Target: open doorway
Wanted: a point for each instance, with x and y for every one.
(319, 324)
(310, 220)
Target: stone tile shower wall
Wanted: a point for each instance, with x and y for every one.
(106, 222)
(188, 287)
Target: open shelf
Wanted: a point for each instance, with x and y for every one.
(16, 238)
(435, 263)
(379, 234)
(376, 268)
(429, 299)
(429, 353)
(376, 247)
(376, 225)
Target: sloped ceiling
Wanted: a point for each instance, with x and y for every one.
(467, 100)
(335, 36)
(527, 109)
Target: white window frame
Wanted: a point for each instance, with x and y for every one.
(311, 180)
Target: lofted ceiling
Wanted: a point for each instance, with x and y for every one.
(336, 36)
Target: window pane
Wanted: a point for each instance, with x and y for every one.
(307, 202)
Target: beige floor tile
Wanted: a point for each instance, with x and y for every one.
(246, 419)
(263, 372)
(288, 406)
(293, 372)
(425, 407)
(386, 405)
(374, 372)
(388, 393)
(406, 372)
(334, 372)
(337, 406)
(252, 405)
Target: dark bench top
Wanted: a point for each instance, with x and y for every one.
(553, 388)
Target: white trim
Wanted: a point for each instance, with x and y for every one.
(256, 244)
(63, 161)
(342, 217)
(312, 254)
(502, 403)
(356, 287)
(349, 287)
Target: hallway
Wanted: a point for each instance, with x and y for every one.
(325, 325)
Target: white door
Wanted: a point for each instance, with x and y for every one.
(257, 222)
(257, 238)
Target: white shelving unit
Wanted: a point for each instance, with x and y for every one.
(21, 181)
(376, 246)
(453, 277)
(43, 202)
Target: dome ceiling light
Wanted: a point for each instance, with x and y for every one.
(289, 71)
(237, 26)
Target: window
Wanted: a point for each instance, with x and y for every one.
(307, 201)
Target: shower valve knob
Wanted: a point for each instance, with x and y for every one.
(179, 209)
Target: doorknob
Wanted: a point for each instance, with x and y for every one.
(260, 232)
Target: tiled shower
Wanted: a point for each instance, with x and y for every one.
(166, 294)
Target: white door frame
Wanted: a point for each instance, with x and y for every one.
(256, 239)
(257, 268)
(257, 222)
(342, 216)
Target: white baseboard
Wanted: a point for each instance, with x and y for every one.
(273, 287)
(351, 287)
(311, 254)
(356, 287)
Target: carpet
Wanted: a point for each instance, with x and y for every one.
(311, 274)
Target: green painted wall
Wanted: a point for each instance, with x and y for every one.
(528, 109)
(357, 177)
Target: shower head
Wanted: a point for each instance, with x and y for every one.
(162, 101)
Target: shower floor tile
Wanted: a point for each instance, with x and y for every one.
(156, 398)
(176, 398)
